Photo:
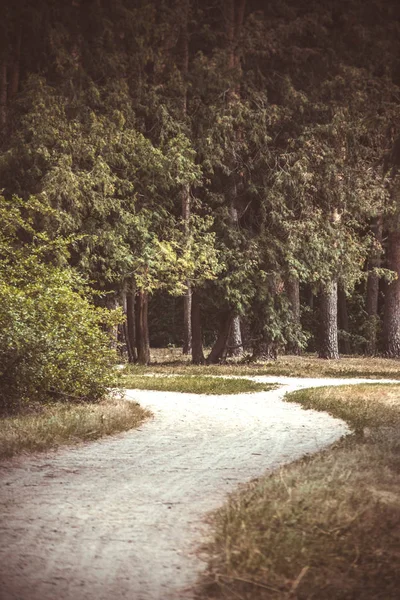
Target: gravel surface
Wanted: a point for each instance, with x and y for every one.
(122, 518)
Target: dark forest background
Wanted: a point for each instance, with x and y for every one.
(225, 171)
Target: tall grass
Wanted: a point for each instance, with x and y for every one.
(52, 425)
(326, 527)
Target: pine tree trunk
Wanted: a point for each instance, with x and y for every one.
(293, 292)
(130, 324)
(197, 337)
(343, 320)
(142, 329)
(373, 289)
(310, 297)
(187, 320)
(15, 66)
(391, 322)
(234, 15)
(328, 325)
(112, 304)
(187, 299)
(220, 348)
(235, 343)
(3, 95)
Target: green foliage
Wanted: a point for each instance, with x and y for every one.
(53, 341)
(276, 137)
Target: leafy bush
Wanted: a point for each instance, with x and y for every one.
(53, 340)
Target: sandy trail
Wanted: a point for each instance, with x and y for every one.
(122, 518)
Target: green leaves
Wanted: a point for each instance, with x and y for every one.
(52, 338)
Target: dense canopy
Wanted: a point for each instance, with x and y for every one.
(225, 171)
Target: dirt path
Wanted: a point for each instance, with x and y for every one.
(121, 518)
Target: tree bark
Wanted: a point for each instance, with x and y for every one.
(343, 320)
(15, 65)
(187, 320)
(235, 343)
(373, 288)
(130, 323)
(219, 350)
(328, 325)
(391, 321)
(197, 337)
(234, 15)
(142, 328)
(3, 95)
(187, 299)
(293, 292)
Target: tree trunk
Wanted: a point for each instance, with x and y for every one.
(373, 288)
(3, 95)
(112, 304)
(219, 350)
(391, 321)
(197, 338)
(293, 292)
(130, 323)
(235, 344)
(264, 349)
(15, 65)
(343, 320)
(187, 299)
(328, 325)
(187, 320)
(142, 328)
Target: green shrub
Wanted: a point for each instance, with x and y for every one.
(53, 340)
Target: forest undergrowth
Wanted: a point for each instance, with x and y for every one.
(172, 361)
(327, 526)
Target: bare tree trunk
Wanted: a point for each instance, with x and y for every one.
(130, 323)
(328, 325)
(3, 95)
(15, 65)
(187, 320)
(219, 350)
(187, 299)
(235, 343)
(234, 15)
(293, 292)
(343, 320)
(391, 321)
(112, 303)
(197, 338)
(142, 328)
(373, 288)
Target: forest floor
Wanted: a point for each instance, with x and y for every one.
(123, 517)
(172, 361)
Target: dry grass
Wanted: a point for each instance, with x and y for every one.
(52, 425)
(324, 528)
(192, 384)
(166, 360)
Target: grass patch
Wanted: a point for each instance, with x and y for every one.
(52, 425)
(173, 362)
(367, 406)
(193, 384)
(326, 527)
